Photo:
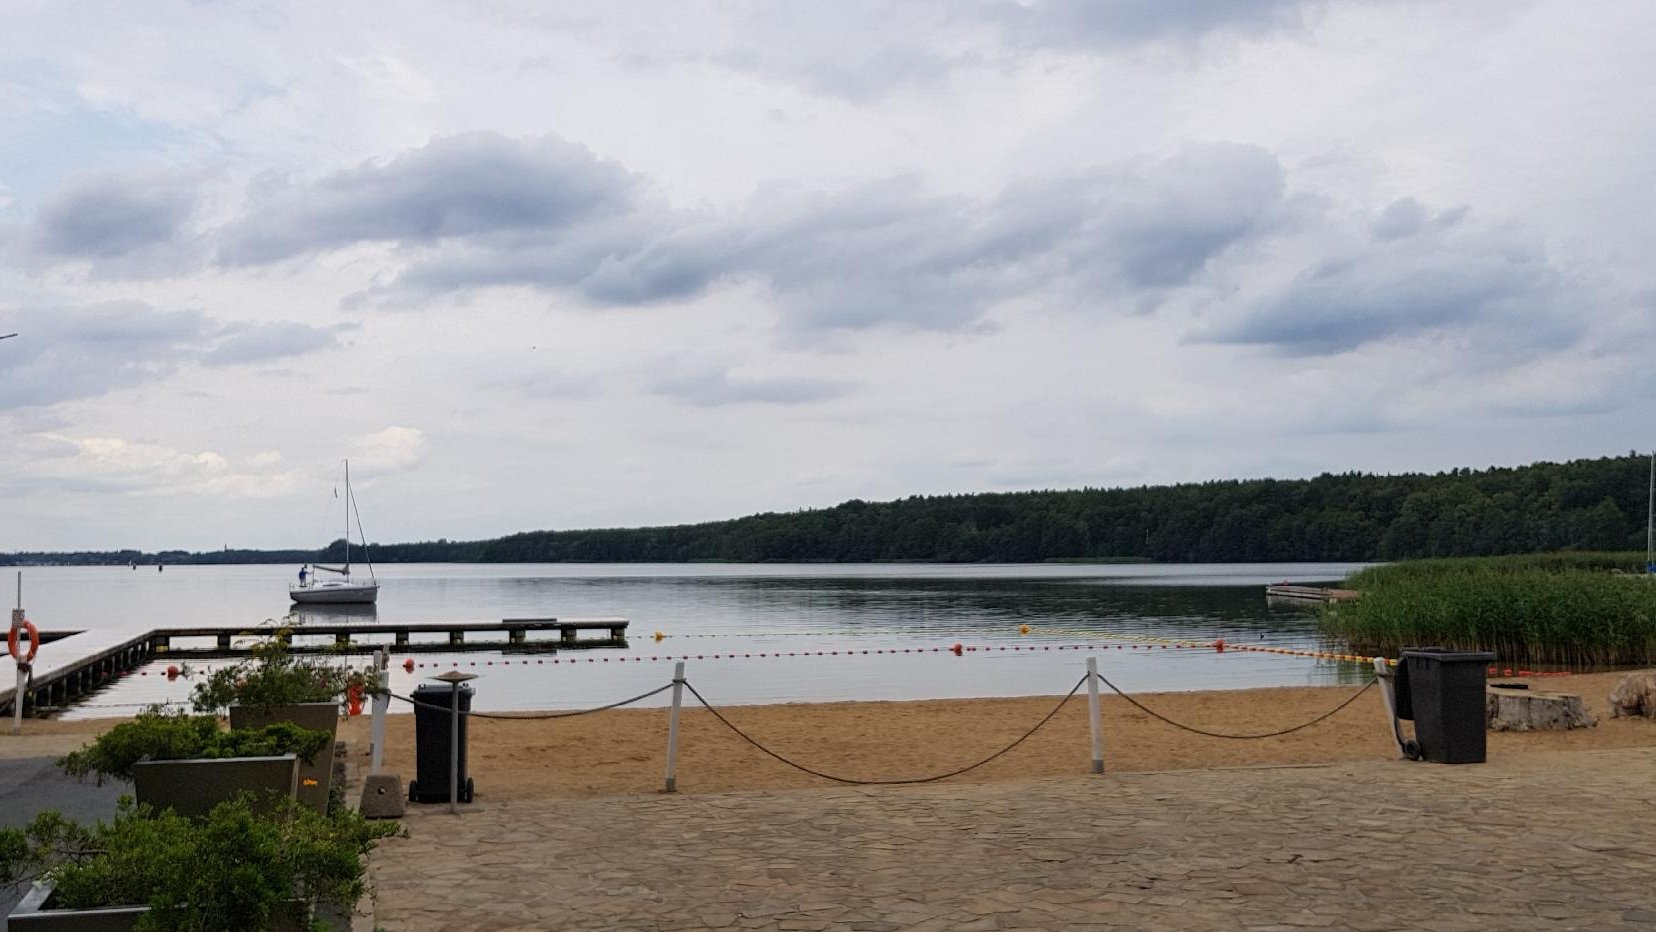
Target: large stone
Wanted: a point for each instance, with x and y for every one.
(1635, 696)
(1518, 708)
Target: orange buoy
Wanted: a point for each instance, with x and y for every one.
(27, 627)
(956, 649)
(172, 672)
(1219, 645)
(353, 699)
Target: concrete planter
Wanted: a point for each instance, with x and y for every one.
(316, 776)
(34, 913)
(193, 787)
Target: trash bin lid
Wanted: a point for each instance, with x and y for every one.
(1445, 655)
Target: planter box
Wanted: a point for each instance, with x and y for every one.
(193, 787)
(34, 913)
(316, 776)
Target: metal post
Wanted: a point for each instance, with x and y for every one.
(454, 748)
(382, 704)
(1092, 716)
(672, 728)
(22, 671)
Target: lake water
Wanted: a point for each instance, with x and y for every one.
(708, 610)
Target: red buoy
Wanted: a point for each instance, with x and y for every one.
(956, 649)
(172, 672)
(408, 665)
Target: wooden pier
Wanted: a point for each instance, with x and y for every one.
(1309, 593)
(79, 662)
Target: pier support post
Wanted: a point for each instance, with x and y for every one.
(457, 637)
(1092, 716)
(672, 727)
(516, 636)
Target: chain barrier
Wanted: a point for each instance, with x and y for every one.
(851, 781)
(534, 716)
(1219, 734)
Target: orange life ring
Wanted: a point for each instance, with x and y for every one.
(34, 642)
(353, 699)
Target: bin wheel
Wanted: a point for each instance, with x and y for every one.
(466, 796)
(1411, 749)
(413, 791)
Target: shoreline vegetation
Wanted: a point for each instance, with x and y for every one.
(1582, 505)
(1571, 609)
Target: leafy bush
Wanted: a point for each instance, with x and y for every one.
(239, 869)
(272, 676)
(166, 736)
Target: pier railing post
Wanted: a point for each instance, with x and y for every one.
(382, 703)
(672, 728)
(1093, 717)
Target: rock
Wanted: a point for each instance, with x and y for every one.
(1635, 696)
(1534, 710)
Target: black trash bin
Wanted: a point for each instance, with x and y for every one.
(431, 743)
(1445, 696)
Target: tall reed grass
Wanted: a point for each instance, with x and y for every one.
(1574, 609)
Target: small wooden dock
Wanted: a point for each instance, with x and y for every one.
(75, 663)
(1309, 593)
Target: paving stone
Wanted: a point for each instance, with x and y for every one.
(1518, 844)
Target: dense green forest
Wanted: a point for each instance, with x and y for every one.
(1596, 504)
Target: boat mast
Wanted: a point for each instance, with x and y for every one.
(1650, 520)
(347, 516)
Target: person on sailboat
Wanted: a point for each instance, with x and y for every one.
(302, 575)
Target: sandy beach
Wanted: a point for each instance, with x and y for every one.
(624, 751)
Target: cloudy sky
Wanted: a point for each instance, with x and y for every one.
(535, 265)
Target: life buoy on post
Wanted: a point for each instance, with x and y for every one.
(353, 699)
(34, 642)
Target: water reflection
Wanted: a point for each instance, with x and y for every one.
(302, 615)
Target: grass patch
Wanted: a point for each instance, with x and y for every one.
(1573, 609)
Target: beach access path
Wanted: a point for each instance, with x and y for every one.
(1550, 840)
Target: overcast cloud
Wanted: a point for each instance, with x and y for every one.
(624, 263)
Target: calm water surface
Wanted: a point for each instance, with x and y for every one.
(708, 609)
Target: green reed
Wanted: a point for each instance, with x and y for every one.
(1574, 609)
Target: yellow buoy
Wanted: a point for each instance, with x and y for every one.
(659, 635)
(1023, 629)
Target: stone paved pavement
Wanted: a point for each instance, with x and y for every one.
(1553, 841)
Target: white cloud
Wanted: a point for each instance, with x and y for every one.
(659, 263)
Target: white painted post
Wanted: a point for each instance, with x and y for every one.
(1092, 716)
(22, 672)
(382, 704)
(1387, 682)
(672, 728)
(17, 700)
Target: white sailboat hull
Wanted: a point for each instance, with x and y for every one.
(335, 593)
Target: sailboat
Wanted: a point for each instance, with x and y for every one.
(339, 588)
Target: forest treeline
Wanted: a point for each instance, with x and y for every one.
(1596, 504)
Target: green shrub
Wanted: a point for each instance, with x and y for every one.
(272, 676)
(160, 735)
(1564, 608)
(240, 869)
